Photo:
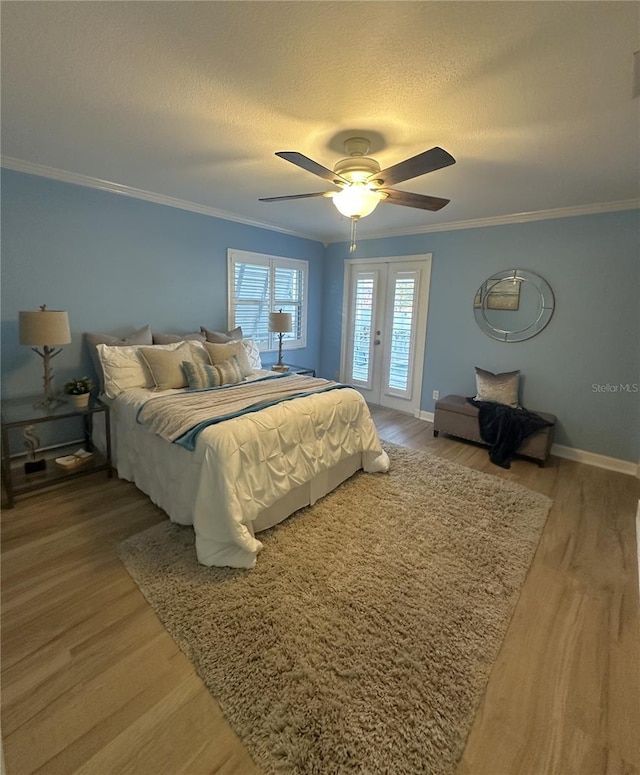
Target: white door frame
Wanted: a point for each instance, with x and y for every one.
(421, 329)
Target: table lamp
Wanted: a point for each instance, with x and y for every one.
(47, 329)
(280, 323)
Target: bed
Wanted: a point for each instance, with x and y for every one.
(241, 471)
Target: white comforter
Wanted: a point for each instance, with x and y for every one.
(242, 466)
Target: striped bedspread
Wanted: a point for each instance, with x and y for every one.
(180, 417)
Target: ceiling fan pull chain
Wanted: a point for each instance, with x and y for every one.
(352, 246)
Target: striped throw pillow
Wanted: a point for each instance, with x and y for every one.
(223, 352)
(203, 375)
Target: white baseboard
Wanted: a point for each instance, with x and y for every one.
(579, 455)
(594, 459)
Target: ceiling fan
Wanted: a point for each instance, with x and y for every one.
(361, 185)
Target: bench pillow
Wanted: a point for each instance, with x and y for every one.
(498, 388)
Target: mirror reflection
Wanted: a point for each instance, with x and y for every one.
(513, 305)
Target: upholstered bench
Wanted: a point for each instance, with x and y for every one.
(455, 416)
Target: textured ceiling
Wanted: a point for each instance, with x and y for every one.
(191, 100)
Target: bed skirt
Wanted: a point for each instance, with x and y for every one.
(140, 459)
(307, 494)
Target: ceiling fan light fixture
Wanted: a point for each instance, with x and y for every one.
(356, 168)
(356, 200)
(363, 184)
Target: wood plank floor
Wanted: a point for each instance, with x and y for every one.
(93, 684)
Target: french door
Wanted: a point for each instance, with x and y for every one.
(385, 329)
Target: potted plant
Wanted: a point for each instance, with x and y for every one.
(79, 391)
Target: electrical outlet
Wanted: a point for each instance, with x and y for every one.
(436, 394)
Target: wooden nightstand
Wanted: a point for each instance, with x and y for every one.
(19, 413)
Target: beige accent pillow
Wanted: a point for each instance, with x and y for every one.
(165, 366)
(218, 337)
(224, 352)
(498, 388)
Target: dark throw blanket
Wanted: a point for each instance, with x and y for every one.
(504, 429)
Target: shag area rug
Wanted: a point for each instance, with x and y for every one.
(363, 639)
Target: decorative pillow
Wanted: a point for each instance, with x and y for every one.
(124, 368)
(204, 375)
(499, 388)
(196, 336)
(224, 352)
(166, 365)
(141, 336)
(253, 353)
(218, 337)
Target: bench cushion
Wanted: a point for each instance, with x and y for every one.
(461, 405)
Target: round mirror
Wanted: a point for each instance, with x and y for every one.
(513, 305)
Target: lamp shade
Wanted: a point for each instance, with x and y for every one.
(280, 322)
(44, 327)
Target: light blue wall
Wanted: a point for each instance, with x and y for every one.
(117, 263)
(593, 265)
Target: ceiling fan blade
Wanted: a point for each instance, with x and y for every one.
(422, 202)
(309, 165)
(428, 161)
(291, 196)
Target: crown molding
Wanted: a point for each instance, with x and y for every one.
(31, 168)
(502, 220)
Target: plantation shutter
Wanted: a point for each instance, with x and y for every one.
(263, 284)
(403, 317)
(363, 311)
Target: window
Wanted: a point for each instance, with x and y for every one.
(260, 284)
